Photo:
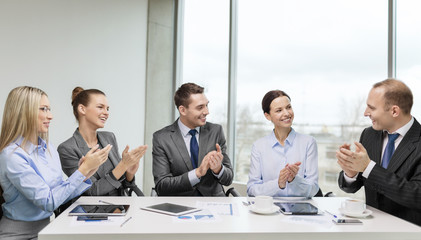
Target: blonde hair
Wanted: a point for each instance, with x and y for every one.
(20, 116)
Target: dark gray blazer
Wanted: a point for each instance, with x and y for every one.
(397, 189)
(75, 147)
(171, 162)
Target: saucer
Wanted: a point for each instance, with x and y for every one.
(253, 208)
(291, 199)
(364, 214)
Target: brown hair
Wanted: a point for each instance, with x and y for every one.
(396, 93)
(80, 96)
(182, 95)
(269, 97)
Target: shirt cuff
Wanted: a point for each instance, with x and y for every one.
(112, 180)
(220, 172)
(193, 178)
(368, 169)
(350, 180)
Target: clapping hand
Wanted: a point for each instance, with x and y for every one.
(90, 163)
(287, 174)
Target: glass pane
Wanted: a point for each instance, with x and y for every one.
(205, 56)
(408, 49)
(326, 55)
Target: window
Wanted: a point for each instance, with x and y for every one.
(408, 49)
(205, 55)
(325, 55)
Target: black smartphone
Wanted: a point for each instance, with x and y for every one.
(342, 221)
(92, 218)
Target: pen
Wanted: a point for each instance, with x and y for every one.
(125, 221)
(331, 214)
(105, 202)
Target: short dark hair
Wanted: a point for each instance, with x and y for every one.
(269, 97)
(182, 95)
(396, 93)
(81, 96)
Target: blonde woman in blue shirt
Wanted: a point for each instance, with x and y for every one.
(30, 169)
(284, 163)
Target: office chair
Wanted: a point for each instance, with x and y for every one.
(129, 188)
(230, 191)
(233, 192)
(320, 194)
(1, 202)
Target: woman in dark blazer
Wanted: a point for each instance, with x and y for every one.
(90, 108)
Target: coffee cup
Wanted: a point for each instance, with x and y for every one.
(353, 206)
(263, 202)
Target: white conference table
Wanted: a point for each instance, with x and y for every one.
(244, 225)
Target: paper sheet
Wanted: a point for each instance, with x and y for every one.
(226, 209)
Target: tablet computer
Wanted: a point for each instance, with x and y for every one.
(297, 208)
(99, 209)
(171, 209)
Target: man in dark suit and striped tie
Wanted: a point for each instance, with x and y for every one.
(189, 156)
(387, 160)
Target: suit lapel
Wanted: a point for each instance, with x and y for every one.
(178, 141)
(83, 146)
(104, 142)
(203, 142)
(377, 147)
(80, 142)
(406, 147)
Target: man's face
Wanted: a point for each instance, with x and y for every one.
(381, 118)
(195, 114)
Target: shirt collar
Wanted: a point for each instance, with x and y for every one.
(184, 129)
(404, 129)
(289, 140)
(30, 147)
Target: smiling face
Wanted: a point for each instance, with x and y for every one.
(281, 113)
(44, 115)
(95, 114)
(381, 118)
(195, 114)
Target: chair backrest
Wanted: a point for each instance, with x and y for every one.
(154, 193)
(134, 189)
(319, 193)
(1, 202)
(232, 192)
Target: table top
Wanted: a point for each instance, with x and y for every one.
(242, 224)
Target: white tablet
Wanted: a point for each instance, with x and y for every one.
(99, 209)
(171, 209)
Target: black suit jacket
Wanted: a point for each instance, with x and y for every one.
(171, 162)
(397, 189)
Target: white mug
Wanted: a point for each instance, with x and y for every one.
(353, 206)
(263, 202)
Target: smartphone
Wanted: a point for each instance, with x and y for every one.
(92, 218)
(342, 221)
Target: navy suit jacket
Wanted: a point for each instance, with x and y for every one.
(171, 162)
(397, 189)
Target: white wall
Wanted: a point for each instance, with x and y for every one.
(57, 45)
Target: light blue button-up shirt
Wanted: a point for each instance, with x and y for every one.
(268, 157)
(32, 181)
